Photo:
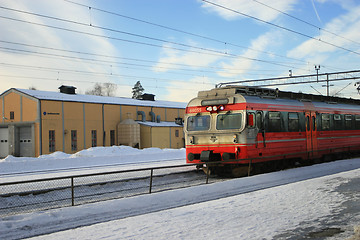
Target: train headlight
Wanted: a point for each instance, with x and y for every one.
(235, 138)
(215, 108)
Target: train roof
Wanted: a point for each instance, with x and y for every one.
(267, 93)
(275, 97)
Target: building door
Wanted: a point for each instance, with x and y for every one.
(311, 134)
(4, 142)
(26, 144)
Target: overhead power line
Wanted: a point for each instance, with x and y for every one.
(87, 81)
(162, 64)
(279, 26)
(306, 22)
(122, 76)
(199, 50)
(301, 79)
(182, 31)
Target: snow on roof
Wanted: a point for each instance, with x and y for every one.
(160, 124)
(57, 96)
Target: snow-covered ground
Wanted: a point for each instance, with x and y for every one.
(289, 204)
(97, 159)
(92, 157)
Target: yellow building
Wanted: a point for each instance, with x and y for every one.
(40, 122)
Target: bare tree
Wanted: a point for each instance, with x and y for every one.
(103, 89)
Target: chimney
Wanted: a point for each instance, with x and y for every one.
(67, 89)
(148, 96)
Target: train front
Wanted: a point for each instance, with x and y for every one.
(214, 127)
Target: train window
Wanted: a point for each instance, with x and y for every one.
(228, 121)
(274, 122)
(357, 122)
(348, 122)
(293, 122)
(198, 123)
(325, 122)
(251, 119)
(338, 122)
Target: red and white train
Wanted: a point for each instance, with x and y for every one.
(235, 126)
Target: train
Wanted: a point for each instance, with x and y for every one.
(237, 129)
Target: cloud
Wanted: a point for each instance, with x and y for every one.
(175, 59)
(345, 26)
(251, 8)
(246, 61)
(177, 92)
(40, 76)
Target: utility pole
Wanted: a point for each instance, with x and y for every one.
(327, 85)
(317, 68)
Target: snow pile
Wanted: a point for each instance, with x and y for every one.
(96, 156)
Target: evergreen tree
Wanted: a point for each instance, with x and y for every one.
(137, 90)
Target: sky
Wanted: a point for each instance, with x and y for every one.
(176, 48)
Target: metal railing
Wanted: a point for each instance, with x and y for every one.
(54, 192)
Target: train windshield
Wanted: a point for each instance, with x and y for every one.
(198, 123)
(228, 121)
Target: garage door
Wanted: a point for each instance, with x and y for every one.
(26, 144)
(4, 142)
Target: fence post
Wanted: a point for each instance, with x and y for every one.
(207, 174)
(72, 192)
(151, 179)
(249, 169)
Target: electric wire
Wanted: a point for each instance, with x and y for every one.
(202, 70)
(123, 76)
(182, 31)
(306, 22)
(198, 49)
(280, 27)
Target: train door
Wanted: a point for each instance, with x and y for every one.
(311, 134)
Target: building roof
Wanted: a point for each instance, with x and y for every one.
(160, 124)
(57, 96)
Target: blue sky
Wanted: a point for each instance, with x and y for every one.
(175, 48)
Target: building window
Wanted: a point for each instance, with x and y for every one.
(73, 140)
(176, 133)
(93, 138)
(112, 137)
(12, 115)
(51, 140)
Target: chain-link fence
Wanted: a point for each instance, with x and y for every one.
(46, 193)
